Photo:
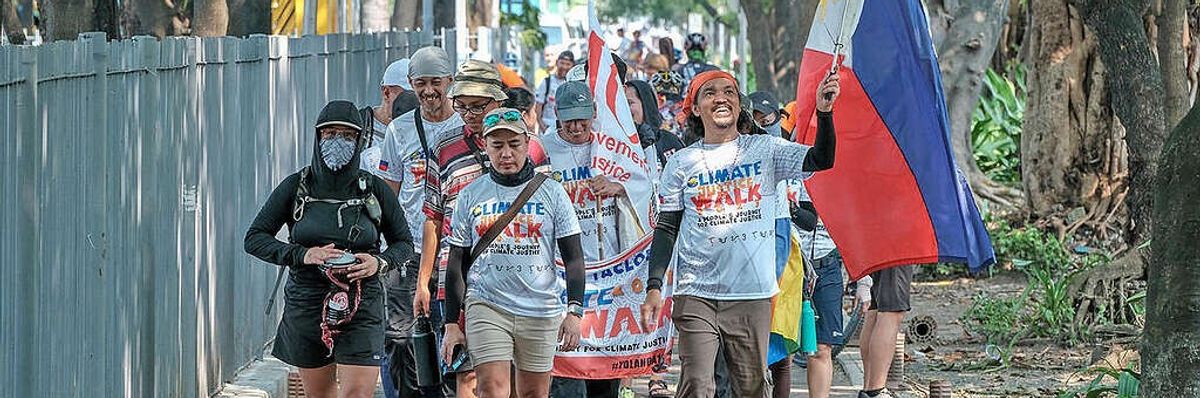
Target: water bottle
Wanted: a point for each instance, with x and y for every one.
(425, 352)
(808, 329)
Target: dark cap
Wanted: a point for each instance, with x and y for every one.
(574, 101)
(567, 55)
(764, 102)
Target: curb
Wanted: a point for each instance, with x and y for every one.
(262, 378)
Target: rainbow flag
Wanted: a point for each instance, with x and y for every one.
(789, 268)
(894, 196)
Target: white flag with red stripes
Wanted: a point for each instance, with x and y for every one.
(617, 152)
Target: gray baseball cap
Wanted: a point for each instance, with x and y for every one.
(429, 62)
(574, 101)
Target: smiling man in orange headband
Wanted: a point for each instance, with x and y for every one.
(716, 199)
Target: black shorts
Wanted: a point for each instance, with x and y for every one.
(892, 289)
(298, 340)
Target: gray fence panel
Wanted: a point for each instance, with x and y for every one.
(132, 170)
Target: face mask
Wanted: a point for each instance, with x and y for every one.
(337, 152)
(775, 130)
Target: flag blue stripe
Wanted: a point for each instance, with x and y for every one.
(895, 62)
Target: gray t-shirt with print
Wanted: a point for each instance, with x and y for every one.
(517, 271)
(727, 192)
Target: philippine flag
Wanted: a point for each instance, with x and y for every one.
(894, 196)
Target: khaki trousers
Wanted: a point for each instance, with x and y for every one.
(741, 328)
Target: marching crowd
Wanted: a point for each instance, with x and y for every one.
(457, 199)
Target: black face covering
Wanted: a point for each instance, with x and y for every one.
(515, 179)
(326, 182)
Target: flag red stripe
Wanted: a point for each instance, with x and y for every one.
(871, 182)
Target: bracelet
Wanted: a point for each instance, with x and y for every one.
(382, 265)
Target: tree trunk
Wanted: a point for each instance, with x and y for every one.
(157, 18)
(791, 19)
(66, 19)
(210, 18)
(252, 17)
(1073, 156)
(11, 23)
(406, 14)
(443, 15)
(108, 18)
(1170, 361)
(1172, 59)
(761, 45)
(966, 34)
(1138, 87)
(479, 13)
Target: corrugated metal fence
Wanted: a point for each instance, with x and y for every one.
(131, 170)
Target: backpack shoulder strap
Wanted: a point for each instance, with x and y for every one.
(494, 231)
(302, 196)
(368, 118)
(547, 93)
(418, 120)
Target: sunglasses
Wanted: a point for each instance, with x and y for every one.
(474, 110)
(492, 120)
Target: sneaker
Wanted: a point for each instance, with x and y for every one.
(626, 392)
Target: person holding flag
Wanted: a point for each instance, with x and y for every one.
(711, 200)
(900, 199)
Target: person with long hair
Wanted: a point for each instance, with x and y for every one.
(712, 201)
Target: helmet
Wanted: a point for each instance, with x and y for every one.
(667, 82)
(695, 41)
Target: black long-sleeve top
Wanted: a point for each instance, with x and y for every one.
(319, 227)
(820, 157)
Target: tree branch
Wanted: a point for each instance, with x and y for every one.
(716, 15)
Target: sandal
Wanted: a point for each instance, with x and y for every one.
(658, 389)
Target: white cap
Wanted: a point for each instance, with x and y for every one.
(576, 73)
(397, 75)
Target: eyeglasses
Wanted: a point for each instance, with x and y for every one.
(343, 132)
(474, 110)
(492, 120)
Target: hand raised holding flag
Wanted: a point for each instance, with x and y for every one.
(828, 92)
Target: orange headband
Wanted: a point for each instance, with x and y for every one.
(700, 80)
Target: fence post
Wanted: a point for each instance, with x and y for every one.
(28, 222)
(150, 130)
(96, 220)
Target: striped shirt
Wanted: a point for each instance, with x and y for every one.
(453, 168)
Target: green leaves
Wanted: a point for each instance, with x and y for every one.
(1128, 384)
(531, 33)
(996, 125)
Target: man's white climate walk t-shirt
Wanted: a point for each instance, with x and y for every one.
(727, 192)
(516, 272)
(403, 160)
(571, 165)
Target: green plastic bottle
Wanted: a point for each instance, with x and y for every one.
(808, 329)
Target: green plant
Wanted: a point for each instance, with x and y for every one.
(996, 124)
(526, 16)
(995, 318)
(1045, 307)
(1128, 384)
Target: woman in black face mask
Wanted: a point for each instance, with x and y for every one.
(337, 217)
(643, 103)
